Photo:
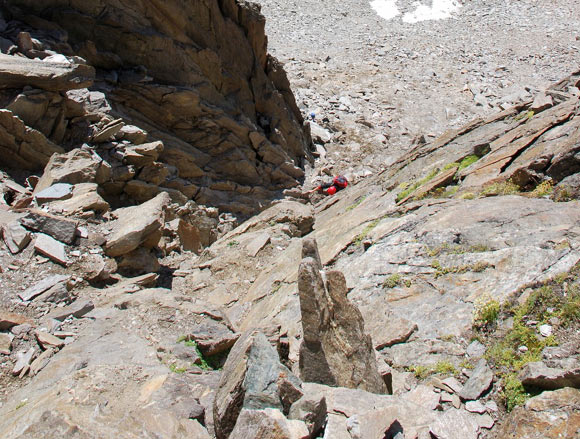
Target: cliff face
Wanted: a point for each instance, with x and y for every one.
(194, 74)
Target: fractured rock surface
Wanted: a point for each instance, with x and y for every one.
(336, 350)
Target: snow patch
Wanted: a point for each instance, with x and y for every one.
(386, 9)
(439, 9)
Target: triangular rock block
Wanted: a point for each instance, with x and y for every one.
(252, 379)
(336, 350)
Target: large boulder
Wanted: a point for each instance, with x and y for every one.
(252, 379)
(136, 225)
(336, 350)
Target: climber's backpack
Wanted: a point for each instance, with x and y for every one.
(340, 182)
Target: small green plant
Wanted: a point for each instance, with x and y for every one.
(233, 243)
(413, 187)
(445, 368)
(21, 404)
(368, 228)
(501, 188)
(467, 161)
(356, 203)
(467, 196)
(204, 363)
(524, 115)
(175, 369)
(420, 372)
(486, 312)
(513, 393)
(543, 189)
(392, 281)
(563, 194)
(466, 365)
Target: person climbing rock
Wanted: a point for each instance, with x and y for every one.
(338, 183)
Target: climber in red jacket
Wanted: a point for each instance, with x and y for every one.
(338, 183)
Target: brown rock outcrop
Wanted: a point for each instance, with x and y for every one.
(193, 75)
(335, 349)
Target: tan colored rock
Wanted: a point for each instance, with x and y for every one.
(9, 319)
(550, 415)
(85, 198)
(41, 361)
(51, 248)
(6, 343)
(42, 286)
(335, 348)
(136, 224)
(15, 237)
(23, 360)
(18, 72)
(76, 166)
(47, 340)
(267, 424)
(22, 146)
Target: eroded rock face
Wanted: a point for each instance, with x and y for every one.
(336, 350)
(194, 75)
(549, 415)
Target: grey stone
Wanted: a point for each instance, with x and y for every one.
(59, 228)
(479, 381)
(16, 237)
(42, 286)
(41, 362)
(77, 309)
(538, 375)
(475, 407)
(51, 248)
(335, 348)
(58, 191)
(475, 349)
(46, 340)
(251, 379)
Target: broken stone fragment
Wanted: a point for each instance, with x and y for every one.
(136, 224)
(257, 244)
(85, 197)
(77, 309)
(267, 424)
(46, 340)
(310, 408)
(59, 228)
(51, 248)
(538, 375)
(108, 131)
(41, 361)
(8, 320)
(250, 380)
(42, 286)
(80, 165)
(479, 381)
(23, 360)
(213, 338)
(6, 343)
(16, 237)
(58, 191)
(19, 72)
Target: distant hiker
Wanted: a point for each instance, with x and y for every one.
(312, 116)
(338, 183)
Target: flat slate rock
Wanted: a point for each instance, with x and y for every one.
(59, 228)
(77, 309)
(42, 286)
(16, 237)
(540, 376)
(6, 343)
(51, 248)
(480, 380)
(47, 340)
(9, 319)
(58, 191)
